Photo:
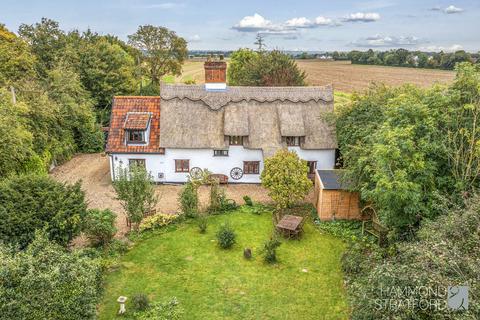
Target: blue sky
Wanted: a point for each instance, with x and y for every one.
(290, 25)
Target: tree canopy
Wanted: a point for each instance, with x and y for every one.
(264, 68)
(412, 146)
(163, 51)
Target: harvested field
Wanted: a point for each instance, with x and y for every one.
(347, 77)
(344, 76)
(94, 171)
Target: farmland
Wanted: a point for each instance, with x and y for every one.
(344, 76)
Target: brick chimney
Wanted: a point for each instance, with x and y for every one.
(215, 75)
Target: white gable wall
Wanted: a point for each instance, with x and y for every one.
(203, 158)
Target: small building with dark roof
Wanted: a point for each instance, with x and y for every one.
(333, 200)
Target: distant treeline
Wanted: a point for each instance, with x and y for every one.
(406, 58)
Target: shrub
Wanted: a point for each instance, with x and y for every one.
(248, 201)
(99, 226)
(170, 310)
(46, 282)
(202, 224)
(140, 302)
(226, 236)
(157, 221)
(219, 202)
(189, 200)
(29, 203)
(447, 252)
(135, 190)
(285, 177)
(270, 250)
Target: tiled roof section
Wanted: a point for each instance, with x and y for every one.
(123, 105)
(137, 120)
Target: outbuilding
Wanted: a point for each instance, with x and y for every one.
(332, 198)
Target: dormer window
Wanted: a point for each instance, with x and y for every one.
(136, 136)
(293, 141)
(137, 127)
(235, 140)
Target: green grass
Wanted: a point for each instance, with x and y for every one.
(211, 283)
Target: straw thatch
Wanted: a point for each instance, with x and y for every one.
(194, 118)
(236, 121)
(291, 120)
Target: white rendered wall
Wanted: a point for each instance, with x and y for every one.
(203, 158)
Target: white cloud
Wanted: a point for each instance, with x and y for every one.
(254, 23)
(387, 41)
(164, 5)
(323, 21)
(194, 38)
(299, 23)
(362, 17)
(452, 9)
(452, 48)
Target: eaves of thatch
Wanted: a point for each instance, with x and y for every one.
(195, 118)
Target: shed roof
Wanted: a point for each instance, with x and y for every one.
(332, 179)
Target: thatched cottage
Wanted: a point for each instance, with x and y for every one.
(227, 130)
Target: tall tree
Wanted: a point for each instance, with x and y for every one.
(163, 50)
(271, 69)
(47, 41)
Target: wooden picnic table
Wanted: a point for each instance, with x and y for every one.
(290, 225)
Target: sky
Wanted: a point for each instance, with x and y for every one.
(302, 25)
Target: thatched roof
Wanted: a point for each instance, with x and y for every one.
(195, 118)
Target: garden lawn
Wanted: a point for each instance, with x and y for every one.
(212, 283)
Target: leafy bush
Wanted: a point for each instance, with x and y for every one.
(226, 236)
(248, 201)
(170, 310)
(202, 224)
(285, 177)
(270, 250)
(447, 252)
(99, 226)
(29, 203)
(135, 190)
(347, 230)
(219, 203)
(140, 302)
(157, 221)
(189, 200)
(47, 282)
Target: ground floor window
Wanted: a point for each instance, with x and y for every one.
(312, 165)
(182, 165)
(137, 162)
(220, 153)
(251, 167)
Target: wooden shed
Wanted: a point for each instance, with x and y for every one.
(332, 199)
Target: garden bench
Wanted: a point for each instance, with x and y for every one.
(221, 178)
(376, 229)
